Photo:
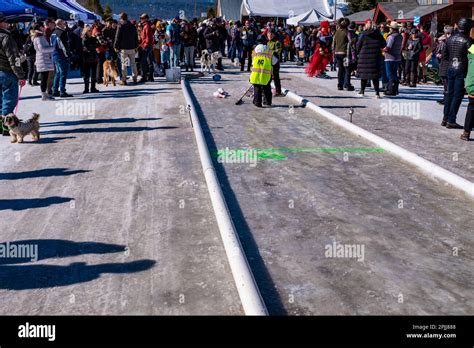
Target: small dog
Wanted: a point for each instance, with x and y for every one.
(209, 60)
(110, 72)
(19, 129)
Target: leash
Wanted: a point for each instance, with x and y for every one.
(18, 101)
(2, 126)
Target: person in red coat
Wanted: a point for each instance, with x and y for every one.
(322, 53)
(146, 50)
(427, 45)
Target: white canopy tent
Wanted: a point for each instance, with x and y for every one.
(83, 9)
(229, 9)
(286, 8)
(61, 6)
(312, 17)
(76, 11)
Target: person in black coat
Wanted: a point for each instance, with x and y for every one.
(223, 35)
(369, 51)
(455, 54)
(30, 52)
(443, 65)
(414, 48)
(212, 36)
(201, 39)
(90, 60)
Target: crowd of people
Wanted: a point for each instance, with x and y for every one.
(397, 54)
(390, 53)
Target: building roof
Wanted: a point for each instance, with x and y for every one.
(424, 10)
(396, 10)
(361, 16)
(401, 11)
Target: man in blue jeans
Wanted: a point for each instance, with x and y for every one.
(174, 32)
(61, 59)
(11, 73)
(393, 57)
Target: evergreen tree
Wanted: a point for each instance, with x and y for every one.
(108, 11)
(362, 5)
(90, 5)
(98, 8)
(211, 13)
(95, 6)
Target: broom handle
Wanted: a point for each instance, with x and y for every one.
(248, 89)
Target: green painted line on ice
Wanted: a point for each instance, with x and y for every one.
(278, 153)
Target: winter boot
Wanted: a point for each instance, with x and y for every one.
(45, 97)
(86, 86)
(465, 136)
(390, 88)
(93, 89)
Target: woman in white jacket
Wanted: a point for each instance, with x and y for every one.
(44, 59)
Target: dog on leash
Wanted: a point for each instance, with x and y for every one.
(110, 72)
(19, 129)
(209, 60)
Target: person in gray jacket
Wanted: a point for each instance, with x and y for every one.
(11, 72)
(44, 59)
(393, 58)
(299, 45)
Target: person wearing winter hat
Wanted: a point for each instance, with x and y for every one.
(300, 40)
(44, 59)
(261, 75)
(455, 53)
(276, 47)
(11, 72)
(173, 30)
(248, 36)
(414, 48)
(443, 65)
(393, 57)
(369, 45)
(340, 47)
(322, 53)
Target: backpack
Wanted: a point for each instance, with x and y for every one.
(29, 48)
(175, 35)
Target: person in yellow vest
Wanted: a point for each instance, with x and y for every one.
(261, 76)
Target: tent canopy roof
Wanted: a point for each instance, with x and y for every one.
(76, 5)
(312, 17)
(52, 10)
(77, 12)
(285, 8)
(19, 8)
(229, 9)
